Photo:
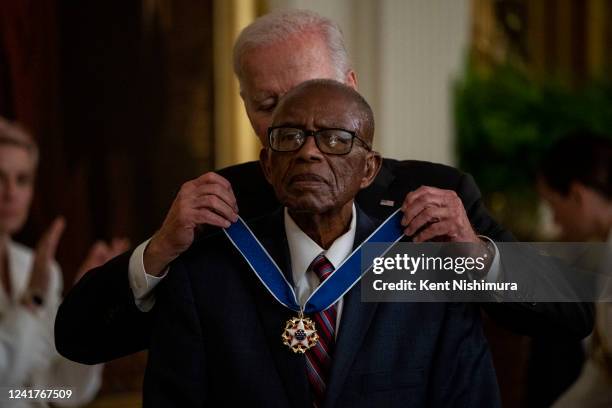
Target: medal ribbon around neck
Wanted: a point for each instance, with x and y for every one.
(341, 280)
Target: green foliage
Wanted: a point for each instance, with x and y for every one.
(504, 122)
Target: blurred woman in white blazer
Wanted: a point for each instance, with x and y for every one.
(30, 289)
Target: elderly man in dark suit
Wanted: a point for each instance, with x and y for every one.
(219, 327)
(108, 315)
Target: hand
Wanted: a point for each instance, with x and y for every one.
(207, 200)
(40, 276)
(435, 214)
(100, 253)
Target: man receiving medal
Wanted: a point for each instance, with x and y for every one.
(222, 310)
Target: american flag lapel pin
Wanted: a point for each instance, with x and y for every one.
(387, 203)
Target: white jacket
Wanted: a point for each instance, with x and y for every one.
(27, 350)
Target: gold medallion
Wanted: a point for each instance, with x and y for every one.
(300, 334)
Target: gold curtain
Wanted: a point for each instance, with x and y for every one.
(235, 141)
(560, 37)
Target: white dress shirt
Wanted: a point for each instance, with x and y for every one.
(304, 250)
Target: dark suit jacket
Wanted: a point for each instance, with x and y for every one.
(220, 330)
(98, 320)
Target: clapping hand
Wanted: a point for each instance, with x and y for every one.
(40, 276)
(100, 253)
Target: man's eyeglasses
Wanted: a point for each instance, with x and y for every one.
(329, 141)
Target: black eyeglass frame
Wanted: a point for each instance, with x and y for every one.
(314, 134)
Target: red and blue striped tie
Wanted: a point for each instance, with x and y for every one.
(319, 357)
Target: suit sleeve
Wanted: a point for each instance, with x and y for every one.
(176, 370)
(98, 320)
(569, 320)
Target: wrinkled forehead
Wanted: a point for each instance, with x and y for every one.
(323, 107)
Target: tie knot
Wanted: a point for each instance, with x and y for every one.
(322, 267)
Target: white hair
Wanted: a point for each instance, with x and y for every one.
(280, 24)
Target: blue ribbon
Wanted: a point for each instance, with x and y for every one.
(334, 287)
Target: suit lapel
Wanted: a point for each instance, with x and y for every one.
(291, 367)
(370, 198)
(355, 321)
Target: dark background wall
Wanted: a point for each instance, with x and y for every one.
(119, 96)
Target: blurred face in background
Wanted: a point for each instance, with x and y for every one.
(270, 71)
(16, 187)
(577, 213)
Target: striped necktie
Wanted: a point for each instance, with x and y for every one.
(319, 357)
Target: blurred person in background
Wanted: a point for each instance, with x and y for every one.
(31, 286)
(576, 181)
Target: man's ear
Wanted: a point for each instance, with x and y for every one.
(372, 165)
(264, 162)
(351, 79)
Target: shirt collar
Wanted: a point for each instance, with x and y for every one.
(303, 250)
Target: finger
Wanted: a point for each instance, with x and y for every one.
(212, 178)
(428, 215)
(57, 229)
(96, 253)
(414, 208)
(215, 189)
(50, 239)
(94, 258)
(431, 194)
(98, 247)
(421, 191)
(214, 203)
(205, 216)
(438, 229)
(118, 246)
